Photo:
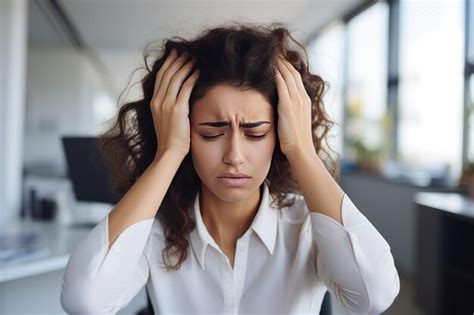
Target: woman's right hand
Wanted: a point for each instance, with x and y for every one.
(170, 104)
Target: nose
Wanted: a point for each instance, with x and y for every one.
(233, 153)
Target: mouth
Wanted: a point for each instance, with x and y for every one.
(234, 175)
(234, 181)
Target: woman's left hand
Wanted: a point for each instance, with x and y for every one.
(294, 110)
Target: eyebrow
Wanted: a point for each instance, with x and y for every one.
(219, 124)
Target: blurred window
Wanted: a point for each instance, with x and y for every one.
(470, 117)
(326, 60)
(366, 121)
(431, 83)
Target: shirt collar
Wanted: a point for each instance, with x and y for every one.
(264, 224)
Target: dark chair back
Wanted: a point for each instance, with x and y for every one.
(326, 305)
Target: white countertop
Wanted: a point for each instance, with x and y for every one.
(58, 239)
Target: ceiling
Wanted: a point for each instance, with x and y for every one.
(130, 24)
(115, 32)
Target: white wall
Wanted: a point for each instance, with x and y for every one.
(61, 87)
(13, 45)
(121, 65)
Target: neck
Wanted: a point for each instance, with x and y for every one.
(227, 221)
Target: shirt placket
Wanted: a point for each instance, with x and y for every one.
(240, 267)
(233, 279)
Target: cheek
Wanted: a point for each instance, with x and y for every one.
(270, 149)
(261, 152)
(269, 146)
(201, 147)
(203, 155)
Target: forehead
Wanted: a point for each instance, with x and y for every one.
(224, 101)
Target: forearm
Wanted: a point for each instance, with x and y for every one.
(321, 192)
(145, 196)
(353, 258)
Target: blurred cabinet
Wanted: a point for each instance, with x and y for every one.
(444, 253)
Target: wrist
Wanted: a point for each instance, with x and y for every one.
(171, 154)
(301, 154)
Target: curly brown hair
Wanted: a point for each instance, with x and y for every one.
(243, 55)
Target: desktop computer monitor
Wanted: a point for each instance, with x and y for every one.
(90, 178)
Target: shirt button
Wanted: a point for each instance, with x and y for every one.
(116, 249)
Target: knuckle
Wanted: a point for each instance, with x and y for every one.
(154, 103)
(167, 76)
(172, 79)
(175, 80)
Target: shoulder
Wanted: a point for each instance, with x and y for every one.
(297, 212)
(157, 228)
(156, 235)
(296, 217)
(155, 242)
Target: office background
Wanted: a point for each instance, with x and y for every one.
(401, 89)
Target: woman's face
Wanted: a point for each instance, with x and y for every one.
(234, 148)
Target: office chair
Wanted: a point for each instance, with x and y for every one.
(325, 306)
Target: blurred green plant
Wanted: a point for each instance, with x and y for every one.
(469, 168)
(467, 174)
(468, 111)
(367, 156)
(467, 179)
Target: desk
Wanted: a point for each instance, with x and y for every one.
(34, 286)
(59, 239)
(445, 253)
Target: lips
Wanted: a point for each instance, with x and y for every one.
(234, 181)
(234, 175)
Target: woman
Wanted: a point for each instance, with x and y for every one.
(227, 204)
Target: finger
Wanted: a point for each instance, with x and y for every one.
(167, 75)
(297, 78)
(289, 80)
(186, 89)
(159, 75)
(177, 81)
(281, 86)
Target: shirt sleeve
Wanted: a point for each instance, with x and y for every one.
(354, 260)
(98, 280)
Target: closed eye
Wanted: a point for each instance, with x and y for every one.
(251, 137)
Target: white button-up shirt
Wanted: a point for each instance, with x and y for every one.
(284, 263)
